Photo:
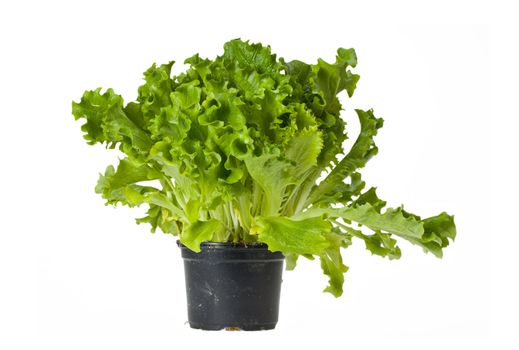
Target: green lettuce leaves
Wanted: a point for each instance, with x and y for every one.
(233, 149)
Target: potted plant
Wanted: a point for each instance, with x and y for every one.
(249, 168)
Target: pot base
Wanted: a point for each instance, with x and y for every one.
(204, 327)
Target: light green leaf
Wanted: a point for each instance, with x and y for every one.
(158, 216)
(290, 261)
(200, 231)
(291, 236)
(121, 186)
(431, 234)
(273, 176)
(193, 210)
(332, 265)
(362, 150)
(128, 172)
(106, 121)
(381, 244)
(253, 56)
(303, 151)
(155, 93)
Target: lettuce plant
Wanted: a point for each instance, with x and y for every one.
(237, 147)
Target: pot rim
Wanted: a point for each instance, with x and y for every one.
(229, 245)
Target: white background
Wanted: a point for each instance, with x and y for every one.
(75, 274)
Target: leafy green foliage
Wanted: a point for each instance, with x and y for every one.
(299, 237)
(234, 148)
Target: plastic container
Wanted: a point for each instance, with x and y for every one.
(232, 286)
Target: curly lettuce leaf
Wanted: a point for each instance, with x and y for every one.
(155, 93)
(251, 56)
(362, 150)
(107, 122)
(332, 265)
(291, 236)
(124, 185)
(273, 176)
(318, 86)
(432, 234)
(200, 231)
(378, 243)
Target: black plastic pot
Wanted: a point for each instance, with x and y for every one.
(233, 286)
